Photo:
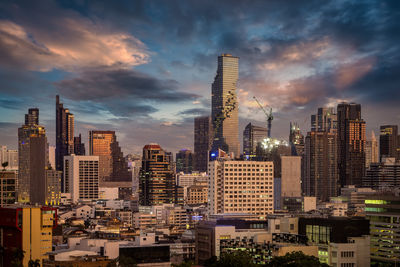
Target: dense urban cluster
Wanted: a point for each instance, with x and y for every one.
(331, 194)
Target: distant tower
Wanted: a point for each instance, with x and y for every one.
(296, 139)
(351, 144)
(79, 147)
(184, 161)
(371, 151)
(64, 135)
(202, 142)
(224, 106)
(157, 180)
(388, 141)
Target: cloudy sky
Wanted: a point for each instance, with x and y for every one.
(145, 68)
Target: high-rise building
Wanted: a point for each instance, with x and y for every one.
(27, 229)
(224, 105)
(184, 161)
(351, 144)
(52, 157)
(291, 176)
(324, 121)
(64, 134)
(202, 142)
(371, 151)
(157, 180)
(81, 177)
(388, 141)
(32, 118)
(252, 136)
(383, 175)
(296, 139)
(112, 164)
(8, 187)
(33, 162)
(79, 147)
(241, 187)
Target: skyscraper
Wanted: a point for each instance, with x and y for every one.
(388, 141)
(32, 118)
(224, 105)
(79, 147)
(202, 142)
(64, 134)
(32, 161)
(296, 139)
(371, 151)
(324, 121)
(112, 164)
(157, 181)
(252, 136)
(351, 144)
(184, 161)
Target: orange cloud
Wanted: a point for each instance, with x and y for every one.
(350, 73)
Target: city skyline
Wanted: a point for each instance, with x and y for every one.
(161, 79)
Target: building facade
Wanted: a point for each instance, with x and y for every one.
(371, 151)
(224, 105)
(10, 156)
(184, 161)
(388, 141)
(252, 136)
(8, 187)
(291, 176)
(203, 136)
(383, 175)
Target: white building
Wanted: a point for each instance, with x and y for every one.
(241, 187)
(186, 180)
(81, 177)
(10, 156)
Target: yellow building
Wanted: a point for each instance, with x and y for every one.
(28, 229)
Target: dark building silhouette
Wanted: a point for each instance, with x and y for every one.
(184, 161)
(388, 141)
(112, 164)
(64, 135)
(202, 142)
(157, 179)
(252, 136)
(351, 144)
(79, 147)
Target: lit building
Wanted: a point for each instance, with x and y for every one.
(197, 194)
(64, 134)
(252, 136)
(383, 175)
(81, 177)
(184, 161)
(383, 211)
(291, 176)
(320, 165)
(202, 142)
(33, 162)
(371, 151)
(296, 139)
(157, 180)
(388, 141)
(241, 186)
(351, 144)
(112, 164)
(8, 187)
(53, 187)
(28, 229)
(10, 156)
(224, 105)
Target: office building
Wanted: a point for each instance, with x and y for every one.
(79, 147)
(112, 164)
(28, 229)
(296, 139)
(324, 121)
(157, 179)
(10, 156)
(320, 165)
(383, 211)
(53, 187)
(52, 157)
(383, 175)
(371, 151)
(351, 144)
(224, 105)
(252, 137)
(32, 118)
(203, 136)
(241, 187)
(81, 177)
(8, 187)
(388, 141)
(291, 176)
(64, 134)
(33, 162)
(184, 161)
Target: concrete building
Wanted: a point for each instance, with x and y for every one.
(252, 136)
(10, 156)
(299, 204)
(53, 187)
(241, 187)
(81, 177)
(8, 188)
(197, 194)
(291, 176)
(224, 106)
(371, 151)
(383, 175)
(186, 180)
(203, 136)
(28, 229)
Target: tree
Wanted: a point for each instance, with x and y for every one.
(294, 259)
(34, 263)
(18, 257)
(233, 259)
(4, 165)
(184, 264)
(124, 261)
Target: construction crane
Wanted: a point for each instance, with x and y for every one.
(268, 115)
